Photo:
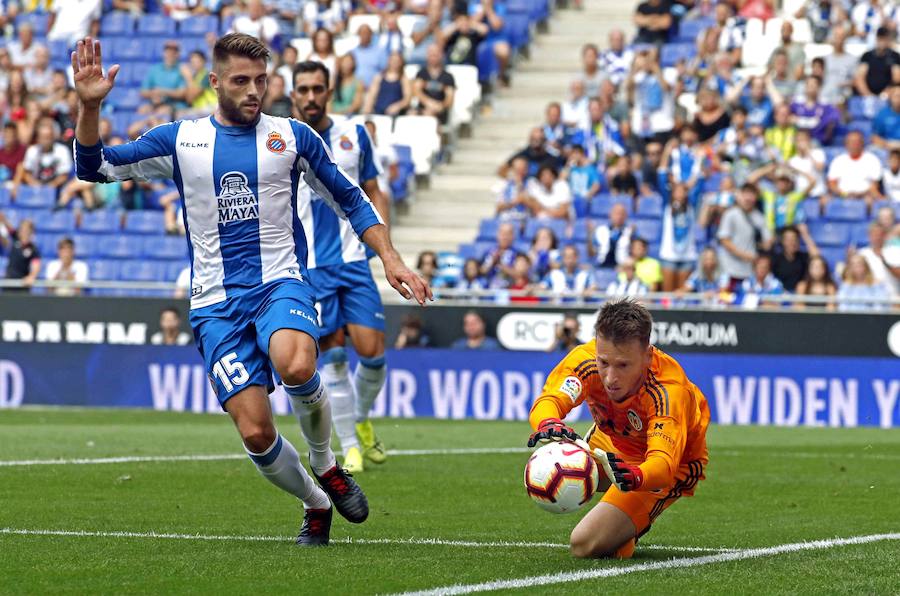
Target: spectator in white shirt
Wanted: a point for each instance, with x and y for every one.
(254, 21)
(39, 76)
(874, 254)
(569, 280)
(575, 109)
(855, 174)
(808, 160)
(46, 163)
(731, 32)
(72, 20)
(547, 195)
(326, 14)
(22, 50)
(170, 333)
(627, 284)
(616, 61)
(890, 179)
(66, 268)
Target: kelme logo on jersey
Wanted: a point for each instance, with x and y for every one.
(276, 144)
(571, 386)
(346, 144)
(635, 420)
(236, 201)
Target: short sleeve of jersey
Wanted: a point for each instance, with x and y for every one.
(568, 384)
(369, 168)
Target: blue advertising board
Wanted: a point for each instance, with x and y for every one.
(741, 389)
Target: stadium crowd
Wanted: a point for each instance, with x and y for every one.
(393, 64)
(724, 149)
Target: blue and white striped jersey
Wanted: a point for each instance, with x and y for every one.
(239, 186)
(330, 240)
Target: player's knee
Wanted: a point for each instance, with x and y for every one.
(373, 347)
(297, 371)
(583, 545)
(258, 437)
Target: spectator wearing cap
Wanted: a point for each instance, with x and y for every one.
(742, 235)
(72, 20)
(23, 49)
(65, 268)
(782, 204)
(855, 174)
(811, 114)
(886, 127)
(24, 257)
(164, 83)
(878, 68)
(370, 57)
(434, 87)
(46, 163)
(548, 197)
(254, 21)
(653, 19)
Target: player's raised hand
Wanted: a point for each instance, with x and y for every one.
(90, 83)
(407, 283)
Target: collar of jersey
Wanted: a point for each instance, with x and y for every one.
(233, 129)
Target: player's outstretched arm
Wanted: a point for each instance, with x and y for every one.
(92, 86)
(407, 283)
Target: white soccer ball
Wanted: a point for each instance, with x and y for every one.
(560, 477)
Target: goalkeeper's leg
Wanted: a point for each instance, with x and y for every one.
(606, 531)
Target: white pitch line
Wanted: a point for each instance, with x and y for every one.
(349, 540)
(574, 576)
(808, 455)
(231, 456)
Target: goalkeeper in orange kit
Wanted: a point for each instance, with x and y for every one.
(649, 432)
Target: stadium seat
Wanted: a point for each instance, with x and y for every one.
(156, 25)
(225, 27)
(603, 277)
(859, 234)
(422, 136)
(517, 28)
(47, 243)
(117, 24)
(602, 202)
(486, 60)
(580, 230)
(834, 255)
(864, 108)
(142, 270)
(17, 215)
(60, 50)
(673, 53)
(558, 226)
(103, 221)
(467, 251)
(103, 269)
(468, 92)
(830, 233)
(846, 210)
(38, 21)
(145, 222)
(648, 229)
(358, 20)
(163, 247)
(86, 245)
(407, 23)
(811, 210)
(690, 30)
(132, 48)
(116, 246)
(126, 99)
(487, 230)
(36, 197)
(174, 269)
(4, 196)
(56, 221)
(121, 121)
(650, 207)
(198, 25)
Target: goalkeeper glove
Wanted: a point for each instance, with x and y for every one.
(552, 429)
(626, 477)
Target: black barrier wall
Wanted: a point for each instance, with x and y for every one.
(132, 321)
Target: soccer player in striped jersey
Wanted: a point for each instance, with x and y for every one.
(252, 306)
(649, 431)
(348, 299)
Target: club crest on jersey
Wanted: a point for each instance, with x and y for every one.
(236, 201)
(276, 144)
(571, 386)
(346, 144)
(635, 420)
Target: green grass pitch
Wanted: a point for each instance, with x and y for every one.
(764, 487)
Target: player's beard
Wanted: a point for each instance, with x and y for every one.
(232, 111)
(313, 119)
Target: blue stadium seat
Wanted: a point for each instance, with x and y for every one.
(86, 245)
(856, 106)
(467, 251)
(602, 202)
(603, 277)
(487, 230)
(174, 269)
(650, 207)
(163, 247)
(830, 233)
(103, 269)
(4, 197)
(38, 21)
(834, 255)
(102, 221)
(56, 221)
(672, 53)
(121, 121)
(47, 243)
(116, 246)
(140, 71)
(846, 210)
(863, 126)
(126, 99)
(712, 182)
(142, 270)
(18, 215)
(689, 30)
(60, 50)
(811, 209)
(859, 234)
(4, 261)
(132, 48)
(36, 197)
(648, 229)
(580, 231)
(518, 30)
(225, 25)
(557, 225)
(199, 25)
(486, 61)
(145, 222)
(191, 43)
(117, 24)
(157, 25)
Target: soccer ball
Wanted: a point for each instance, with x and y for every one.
(560, 477)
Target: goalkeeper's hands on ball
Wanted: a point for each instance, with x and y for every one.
(625, 476)
(552, 429)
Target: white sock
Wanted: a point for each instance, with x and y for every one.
(280, 465)
(336, 376)
(311, 407)
(368, 379)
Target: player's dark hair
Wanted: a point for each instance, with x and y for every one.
(620, 321)
(239, 44)
(311, 66)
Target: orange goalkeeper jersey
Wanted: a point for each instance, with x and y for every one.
(661, 427)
